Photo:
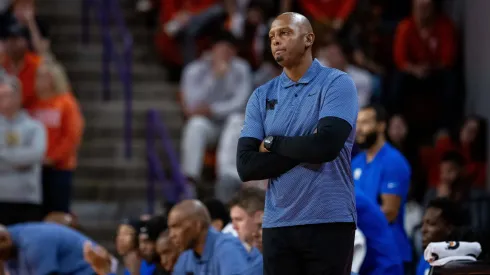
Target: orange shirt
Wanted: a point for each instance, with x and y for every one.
(64, 124)
(27, 77)
(170, 8)
(436, 47)
(328, 9)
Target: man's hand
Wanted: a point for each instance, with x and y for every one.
(201, 110)
(98, 258)
(262, 148)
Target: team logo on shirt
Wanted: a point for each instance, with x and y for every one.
(357, 173)
(391, 185)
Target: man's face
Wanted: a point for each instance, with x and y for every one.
(147, 248)
(243, 223)
(16, 47)
(335, 57)
(9, 101)
(223, 51)
(450, 172)
(167, 252)
(183, 231)
(367, 128)
(125, 239)
(5, 245)
(469, 132)
(287, 41)
(397, 130)
(257, 236)
(434, 228)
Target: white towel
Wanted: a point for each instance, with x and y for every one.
(438, 254)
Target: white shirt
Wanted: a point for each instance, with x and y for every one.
(359, 251)
(364, 84)
(229, 230)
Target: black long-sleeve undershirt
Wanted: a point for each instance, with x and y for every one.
(322, 146)
(253, 165)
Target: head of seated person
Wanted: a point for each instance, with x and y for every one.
(453, 181)
(17, 42)
(220, 216)
(167, 252)
(148, 236)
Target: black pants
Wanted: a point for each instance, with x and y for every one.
(57, 185)
(12, 213)
(317, 249)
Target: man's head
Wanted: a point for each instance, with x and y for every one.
(10, 95)
(291, 37)
(6, 244)
(167, 251)
(332, 55)
(441, 218)
(451, 167)
(224, 47)
(397, 129)
(371, 126)
(187, 223)
(423, 10)
(219, 214)
(245, 208)
(148, 237)
(17, 43)
(257, 236)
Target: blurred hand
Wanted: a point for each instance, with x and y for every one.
(262, 148)
(201, 110)
(98, 258)
(420, 71)
(24, 12)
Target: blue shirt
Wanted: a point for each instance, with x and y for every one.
(307, 194)
(423, 267)
(255, 261)
(223, 254)
(388, 173)
(145, 269)
(382, 257)
(45, 248)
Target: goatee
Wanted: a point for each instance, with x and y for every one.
(369, 141)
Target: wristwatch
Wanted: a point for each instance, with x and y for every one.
(268, 142)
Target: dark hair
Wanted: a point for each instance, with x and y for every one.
(451, 212)
(225, 36)
(251, 199)
(155, 226)
(454, 157)
(381, 114)
(217, 210)
(478, 149)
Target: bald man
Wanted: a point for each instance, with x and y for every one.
(207, 251)
(298, 133)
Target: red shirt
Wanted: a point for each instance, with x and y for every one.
(328, 9)
(170, 8)
(436, 47)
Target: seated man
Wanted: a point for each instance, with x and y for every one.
(215, 90)
(43, 248)
(220, 217)
(207, 251)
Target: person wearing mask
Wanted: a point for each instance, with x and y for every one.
(215, 89)
(382, 256)
(245, 208)
(43, 248)
(22, 149)
(206, 251)
(59, 111)
(382, 173)
(442, 220)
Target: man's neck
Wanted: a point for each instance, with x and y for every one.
(201, 242)
(297, 71)
(371, 152)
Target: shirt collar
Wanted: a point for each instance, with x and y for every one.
(306, 78)
(211, 238)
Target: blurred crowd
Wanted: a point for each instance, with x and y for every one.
(405, 60)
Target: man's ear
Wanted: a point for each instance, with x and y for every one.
(309, 39)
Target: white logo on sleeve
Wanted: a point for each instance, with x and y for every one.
(392, 185)
(357, 173)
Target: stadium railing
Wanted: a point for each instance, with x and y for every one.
(107, 12)
(173, 188)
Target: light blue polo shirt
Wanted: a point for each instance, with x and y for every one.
(45, 248)
(388, 173)
(223, 254)
(307, 194)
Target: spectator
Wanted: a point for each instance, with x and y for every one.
(333, 56)
(382, 256)
(382, 173)
(219, 214)
(245, 208)
(167, 253)
(58, 110)
(127, 237)
(43, 248)
(215, 91)
(471, 142)
(147, 243)
(22, 148)
(441, 221)
(205, 248)
(257, 236)
(21, 62)
(425, 53)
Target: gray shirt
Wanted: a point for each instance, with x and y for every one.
(225, 95)
(22, 148)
